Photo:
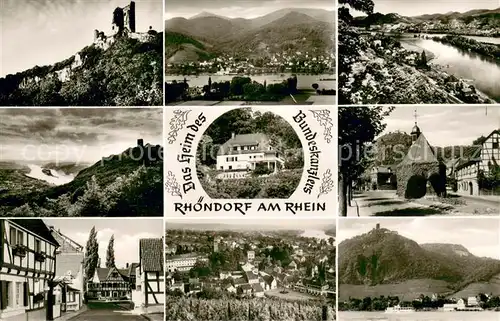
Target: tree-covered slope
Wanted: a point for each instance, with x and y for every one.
(128, 73)
(382, 256)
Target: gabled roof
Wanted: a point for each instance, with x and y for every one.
(257, 287)
(420, 152)
(38, 227)
(65, 241)
(246, 287)
(496, 131)
(260, 140)
(251, 276)
(268, 279)
(151, 254)
(104, 273)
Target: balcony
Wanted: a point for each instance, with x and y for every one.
(19, 250)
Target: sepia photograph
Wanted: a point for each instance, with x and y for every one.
(260, 156)
(433, 269)
(419, 52)
(416, 161)
(250, 270)
(250, 52)
(81, 162)
(81, 269)
(81, 53)
(250, 160)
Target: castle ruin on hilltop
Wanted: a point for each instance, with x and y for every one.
(123, 24)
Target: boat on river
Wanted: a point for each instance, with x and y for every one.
(399, 309)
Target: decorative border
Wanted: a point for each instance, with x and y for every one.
(172, 186)
(177, 123)
(327, 183)
(325, 120)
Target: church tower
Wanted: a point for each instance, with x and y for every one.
(415, 132)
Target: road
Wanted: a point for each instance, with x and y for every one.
(111, 313)
(387, 203)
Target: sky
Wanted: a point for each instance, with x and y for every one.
(81, 135)
(411, 8)
(446, 125)
(238, 8)
(251, 224)
(480, 236)
(43, 32)
(127, 233)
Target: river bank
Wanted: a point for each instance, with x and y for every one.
(489, 50)
(388, 71)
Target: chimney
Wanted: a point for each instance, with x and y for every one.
(378, 226)
(232, 135)
(126, 266)
(140, 142)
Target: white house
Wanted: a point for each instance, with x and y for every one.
(183, 262)
(27, 270)
(244, 152)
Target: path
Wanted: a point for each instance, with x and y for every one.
(107, 312)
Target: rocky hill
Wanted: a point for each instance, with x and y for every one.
(127, 73)
(382, 257)
(207, 34)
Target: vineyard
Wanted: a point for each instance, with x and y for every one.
(186, 309)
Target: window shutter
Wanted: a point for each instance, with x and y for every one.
(3, 295)
(26, 294)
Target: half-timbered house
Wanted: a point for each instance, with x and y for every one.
(150, 283)
(109, 284)
(27, 270)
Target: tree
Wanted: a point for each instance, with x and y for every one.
(91, 255)
(91, 203)
(110, 253)
(358, 127)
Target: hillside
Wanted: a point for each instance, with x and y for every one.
(474, 22)
(14, 182)
(123, 184)
(384, 258)
(128, 73)
(181, 48)
(207, 35)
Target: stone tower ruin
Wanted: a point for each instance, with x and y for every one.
(124, 19)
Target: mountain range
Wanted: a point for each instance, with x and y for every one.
(484, 17)
(208, 34)
(381, 258)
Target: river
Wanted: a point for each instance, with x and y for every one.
(419, 316)
(466, 65)
(57, 178)
(303, 81)
(316, 234)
